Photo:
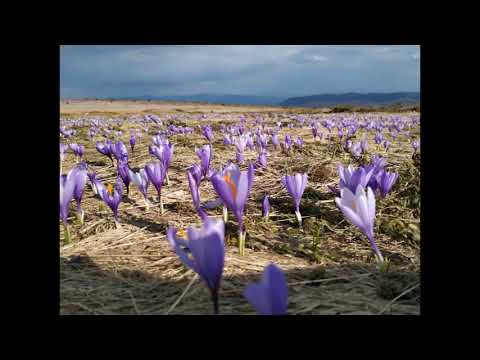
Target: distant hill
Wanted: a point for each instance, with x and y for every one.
(370, 99)
(215, 99)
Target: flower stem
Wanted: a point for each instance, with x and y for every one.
(241, 242)
(161, 204)
(299, 217)
(67, 233)
(215, 303)
(225, 214)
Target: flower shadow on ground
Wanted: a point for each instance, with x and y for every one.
(89, 287)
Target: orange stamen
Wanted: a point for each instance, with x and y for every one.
(110, 189)
(233, 186)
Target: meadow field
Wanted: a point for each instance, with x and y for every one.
(128, 266)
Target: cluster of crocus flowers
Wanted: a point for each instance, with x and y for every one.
(295, 185)
(351, 178)
(204, 252)
(233, 187)
(270, 295)
(359, 209)
(77, 149)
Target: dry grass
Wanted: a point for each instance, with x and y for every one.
(328, 263)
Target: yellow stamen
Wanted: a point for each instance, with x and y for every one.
(110, 189)
(181, 233)
(233, 186)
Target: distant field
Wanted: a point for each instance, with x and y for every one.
(129, 107)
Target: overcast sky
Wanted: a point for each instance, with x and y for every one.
(278, 70)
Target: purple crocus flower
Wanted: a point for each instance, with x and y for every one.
(208, 133)
(270, 295)
(123, 171)
(233, 187)
(415, 145)
(105, 149)
(385, 182)
(120, 151)
(356, 150)
(378, 138)
(262, 158)
(275, 141)
(111, 195)
(67, 187)
(351, 178)
(63, 151)
(194, 191)
(288, 142)
(132, 141)
(93, 180)
(141, 181)
(77, 149)
(295, 185)
(164, 152)
(196, 172)
(386, 144)
(226, 140)
(156, 174)
(80, 179)
(203, 252)
(299, 143)
(265, 207)
(205, 154)
(359, 209)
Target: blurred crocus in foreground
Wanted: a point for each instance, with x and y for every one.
(203, 252)
(270, 295)
(359, 209)
(295, 185)
(233, 187)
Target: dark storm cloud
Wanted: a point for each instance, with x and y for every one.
(284, 70)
